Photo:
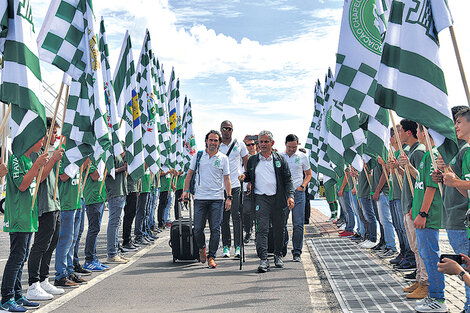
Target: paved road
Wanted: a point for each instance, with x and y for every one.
(151, 282)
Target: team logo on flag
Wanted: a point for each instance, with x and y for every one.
(362, 20)
(173, 121)
(135, 109)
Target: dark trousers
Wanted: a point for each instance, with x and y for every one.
(178, 194)
(248, 213)
(225, 226)
(163, 200)
(307, 207)
(11, 280)
(129, 215)
(140, 213)
(266, 209)
(45, 242)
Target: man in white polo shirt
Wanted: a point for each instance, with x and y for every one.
(212, 175)
(301, 174)
(237, 156)
(270, 181)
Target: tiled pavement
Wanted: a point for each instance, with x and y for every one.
(363, 282)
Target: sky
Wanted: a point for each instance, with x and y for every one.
(254, 63)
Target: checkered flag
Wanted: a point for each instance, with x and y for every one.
(21, 84)
(163, 121)
(189, 142)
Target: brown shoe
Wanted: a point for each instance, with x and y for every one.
(77, 279)
(202, 255)
(212, 263)
(419, 293)
(65, 282)
(411, 288)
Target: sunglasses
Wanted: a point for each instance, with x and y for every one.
(227, 129)
(249, 144)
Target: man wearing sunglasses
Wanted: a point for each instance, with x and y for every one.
(237, 155)
(271, 187)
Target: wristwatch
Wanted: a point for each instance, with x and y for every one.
(302, 186)
(229, 197)
(423, 214)
(461, 275)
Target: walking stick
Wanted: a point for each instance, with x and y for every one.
(240, 214)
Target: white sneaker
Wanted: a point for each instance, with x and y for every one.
(343, 227)
(367, 244)
(432, 305)
(423, 301)
(49, 288)
(35, 292)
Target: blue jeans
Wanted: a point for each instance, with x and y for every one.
(11, 281)
(428, 247)
(350, 222)
(94, 213)
(355, 207)
(369, 215)
(79, 225)
(397, 219)
(298, 220)
(383, 205)
(64, 249)
(152, 207)
(211, 210)
(115, 206)
(458, 239)
(166, 215)
(142, 200)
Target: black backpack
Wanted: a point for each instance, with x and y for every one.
(192, 183)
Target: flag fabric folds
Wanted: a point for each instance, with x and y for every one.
(21, 84)
(410, 80)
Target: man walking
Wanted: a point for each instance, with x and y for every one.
(301, 174)
(248, 208)
(237, 156)
(211, 170)
(271, 186)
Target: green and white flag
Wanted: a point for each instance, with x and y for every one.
(162, 120)
(172, 93)
(127, 100)
(410, 80)
(145, 84)
(189, 141)
(109, 96)
(21, 84)
(179, 131)
(359, 50)
(63, 39)
(311, 145)
(326, 159)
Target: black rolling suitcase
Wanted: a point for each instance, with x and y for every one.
(182, 241)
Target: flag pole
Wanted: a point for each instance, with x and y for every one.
(86, 176)
(104, 177)
(459, 62)
(367, 175)
(61, 138)
(5, 119)
(49, 136)
(399, 178)
(434, 164)
(407, 170)
(3, 143)
(80, 181)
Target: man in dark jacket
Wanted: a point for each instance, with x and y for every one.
(270, 186)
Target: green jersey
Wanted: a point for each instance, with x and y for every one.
(466, 175)
(68, 191)
(145, 181)
(165, 182)
(19, 217)
(455, 204)
(415, 155)
(117, 186)
(424, 181)
(91, 191)
(132, 185)
(363, 187)
(180, 182)
(375, 179)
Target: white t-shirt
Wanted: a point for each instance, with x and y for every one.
(210, 176)
(265, 176)
(298, 163)
(235, 158)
